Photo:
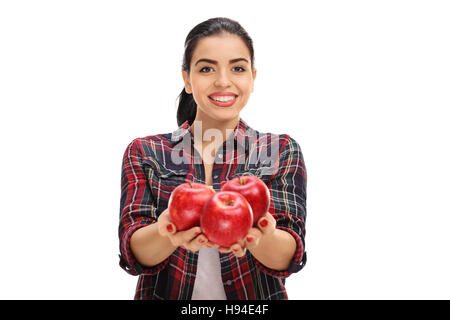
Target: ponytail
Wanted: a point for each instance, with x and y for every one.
(187, 108)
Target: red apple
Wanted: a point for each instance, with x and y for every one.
(227, 218)
(186, 204)
(254, 190)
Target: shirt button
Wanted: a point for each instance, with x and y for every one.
(215, 177)
(220, 155)
(228, 282)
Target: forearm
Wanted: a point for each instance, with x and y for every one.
(276, 250)
(149, 246)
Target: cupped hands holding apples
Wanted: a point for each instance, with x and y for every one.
(234, 219)
(182, 224)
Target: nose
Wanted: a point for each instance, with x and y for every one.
(223, 79)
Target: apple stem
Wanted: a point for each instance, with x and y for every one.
(190, 185)
(241, 181)
(229, 202)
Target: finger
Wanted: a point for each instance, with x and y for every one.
(165, 225)
(238, 250)
(166, 228)
(184, 237)
(202, 240)
(197, 243)
(224, 249)
(267, 223)
(252, 238)
(209, 244)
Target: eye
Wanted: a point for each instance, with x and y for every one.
(202, 69)
(240, 69)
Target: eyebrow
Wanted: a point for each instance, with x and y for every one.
(215, 62)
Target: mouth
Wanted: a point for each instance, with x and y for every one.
(223, 101)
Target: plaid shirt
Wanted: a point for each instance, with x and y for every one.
(154, 165)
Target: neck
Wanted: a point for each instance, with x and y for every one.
(210, 130)
(209, 135)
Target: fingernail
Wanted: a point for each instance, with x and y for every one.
(197, 233)
(169, 228)
(263, 223)
(235, 249)
(249, 239)
(201, 240)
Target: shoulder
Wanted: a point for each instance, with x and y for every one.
(291, 145)
(148, 146)
(283, 142)
(260, 138)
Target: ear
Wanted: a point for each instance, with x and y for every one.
(187, 83)
(254, 77)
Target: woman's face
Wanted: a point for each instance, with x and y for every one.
(220, 66)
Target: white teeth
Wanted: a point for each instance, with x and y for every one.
(223, 98)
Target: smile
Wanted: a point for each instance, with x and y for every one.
(223, 101)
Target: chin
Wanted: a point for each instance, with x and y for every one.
(225, 116)
(221, 114)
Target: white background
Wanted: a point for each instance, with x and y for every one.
(363, 86)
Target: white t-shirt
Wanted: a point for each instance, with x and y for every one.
(208, 283)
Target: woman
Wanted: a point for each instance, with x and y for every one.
(212, 145)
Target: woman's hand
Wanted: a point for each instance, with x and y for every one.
(266, 226)
(191, 239)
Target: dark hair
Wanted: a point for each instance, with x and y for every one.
(187, 108)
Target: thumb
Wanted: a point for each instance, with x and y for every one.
(166, 228)
(267, 223)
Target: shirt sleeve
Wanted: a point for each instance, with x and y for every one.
(288, 201)
(136, 208)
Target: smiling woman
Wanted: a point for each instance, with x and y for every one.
(218, 72)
